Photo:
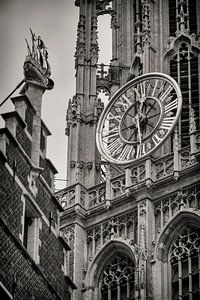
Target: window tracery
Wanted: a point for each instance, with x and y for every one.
(184, 68)
(183, 53)
(166, 208)
(117, 279)
(123, 226)
(185, 264)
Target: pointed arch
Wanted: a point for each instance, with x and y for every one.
(184, 218)
(116, 254)
(182, 61)
(178, 256)
(103, 257)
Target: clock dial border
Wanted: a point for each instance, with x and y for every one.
(119, 146)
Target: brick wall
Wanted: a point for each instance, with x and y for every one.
(23, 139)
(52, 259)
(22, 167)
(46, 172)
(45, 280)
(11, 206)
(15, 263)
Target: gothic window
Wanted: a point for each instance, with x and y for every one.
(184, 64)
(184, 69)
(117, 279)
(186, 9)
(31, 226)
(185, 265)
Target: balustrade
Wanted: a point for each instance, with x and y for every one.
(147, 172)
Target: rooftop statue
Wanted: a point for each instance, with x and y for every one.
(36, 66)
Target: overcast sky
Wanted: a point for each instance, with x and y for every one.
(56, 23)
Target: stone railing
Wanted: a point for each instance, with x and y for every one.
(97, 195)
(78, 194)
(148, 172)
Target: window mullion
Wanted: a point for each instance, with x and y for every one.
(109, 293)
(179, 82)
(189, 82)
(128, 288)
(180, 292)
(177, 24)
(118, 291)
(187, 13)
(190, 276)
(199, 270)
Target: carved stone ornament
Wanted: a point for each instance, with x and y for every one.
(103, 7)
(98, 166)
(32, 178)
(80, 164)
(89, 165)
(36, 65)
(72, 164)
(120, 268)
(69, 235)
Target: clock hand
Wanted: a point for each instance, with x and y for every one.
(142, 100)
(139, 129)
(132, 126)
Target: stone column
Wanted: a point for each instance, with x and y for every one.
(34, 93)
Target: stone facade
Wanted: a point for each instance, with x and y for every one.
(147, 215)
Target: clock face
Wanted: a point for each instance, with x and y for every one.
(139, 118)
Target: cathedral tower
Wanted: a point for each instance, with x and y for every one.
(134, 229)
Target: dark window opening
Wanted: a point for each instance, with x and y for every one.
(185, 260)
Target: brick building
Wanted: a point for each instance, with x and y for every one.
(33, 252)
(134, 228)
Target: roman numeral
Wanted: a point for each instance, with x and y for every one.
(110, 132)
(114, 146)
(166, 93)
(126, 152)
(143, 88)
(167, 123)
(156, 139)
(140, 150)
(155, 87)
(149, 88)
(124, 102)
(112, 117)
(161, 89)
(171, 106)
